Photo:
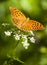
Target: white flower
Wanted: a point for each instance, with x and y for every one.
(25, 42)
(32, 33)
(17, 37)
(8, 33)
(32, 39)
(4, 24)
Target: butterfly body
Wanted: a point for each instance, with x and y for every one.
(24, 23)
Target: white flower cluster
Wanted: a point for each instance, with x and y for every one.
(32, 39)
(25, 41)
(17, 37)
(8, 33)
(5, 24)
(24, 38)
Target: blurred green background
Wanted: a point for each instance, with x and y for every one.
(12, 52)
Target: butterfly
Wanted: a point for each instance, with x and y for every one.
(23, 23)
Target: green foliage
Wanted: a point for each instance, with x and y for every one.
(17, 47)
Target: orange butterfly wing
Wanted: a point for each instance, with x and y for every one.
(32, 25)
(22, 22)
(17, 15)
